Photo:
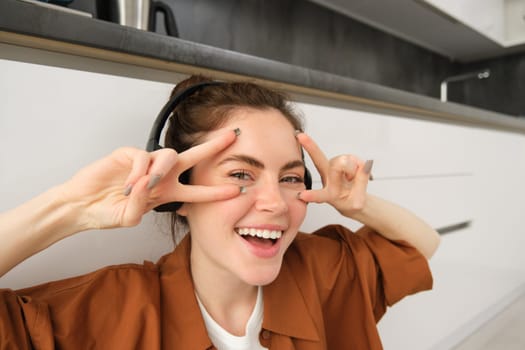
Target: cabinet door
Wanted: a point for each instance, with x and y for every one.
(424, 166)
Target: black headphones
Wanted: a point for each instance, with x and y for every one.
(159, 123)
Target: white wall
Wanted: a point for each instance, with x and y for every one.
(54, 120)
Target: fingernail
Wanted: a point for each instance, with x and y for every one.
(127, 190)
(237, 131)
(242, 189)
(153, 181)
(298, 195)
(367, 168)
(297, 132)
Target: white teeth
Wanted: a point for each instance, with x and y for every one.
(273, 234)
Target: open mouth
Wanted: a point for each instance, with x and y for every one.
(260, 237)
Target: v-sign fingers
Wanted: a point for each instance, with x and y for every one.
(318, 157)
(140, 164)
(199, 193)
(336, 182)
(194, 155)
(163, 161)
(341, 172)
(314, 196)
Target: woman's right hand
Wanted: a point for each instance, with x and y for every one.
(112, 192)
(119, 189)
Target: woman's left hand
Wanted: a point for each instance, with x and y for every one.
(345, 179)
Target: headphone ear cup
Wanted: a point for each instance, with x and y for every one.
(168, 207)
(153, 143)
(307, 179)
(152, 146)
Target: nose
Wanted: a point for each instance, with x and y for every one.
(270, 198)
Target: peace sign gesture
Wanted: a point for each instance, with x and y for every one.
(345, 179)
(114, 191)
(120, 188)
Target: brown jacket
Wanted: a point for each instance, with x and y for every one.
(332, 289)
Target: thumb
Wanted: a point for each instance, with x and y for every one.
(314, 196)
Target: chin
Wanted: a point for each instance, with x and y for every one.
(262, 275)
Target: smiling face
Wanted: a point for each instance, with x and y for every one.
(266, 159)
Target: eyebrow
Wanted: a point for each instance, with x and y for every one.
(258, 164)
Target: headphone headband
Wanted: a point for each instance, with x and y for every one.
(154, 135)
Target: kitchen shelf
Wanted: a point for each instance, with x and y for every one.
(28, 25)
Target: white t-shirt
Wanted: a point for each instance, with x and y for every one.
(223, 340)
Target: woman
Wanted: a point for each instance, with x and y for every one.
(243, 278)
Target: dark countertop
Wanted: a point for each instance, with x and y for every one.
(29, 25)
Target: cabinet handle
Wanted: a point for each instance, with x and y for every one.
(454, 227)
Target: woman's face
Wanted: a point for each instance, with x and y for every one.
(266, 160)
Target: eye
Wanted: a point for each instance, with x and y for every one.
(292, 179)
(241, 175)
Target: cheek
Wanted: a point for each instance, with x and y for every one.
(230, 210)
(297, 209)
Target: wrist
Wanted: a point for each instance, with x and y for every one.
(52, 216)
(364, 213)
(35, 225)
(69, 211)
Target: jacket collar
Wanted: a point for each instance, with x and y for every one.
(183, 325)
(285, 309)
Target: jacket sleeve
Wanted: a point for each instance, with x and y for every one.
(385, 271)
(402, 269)
(114, 305)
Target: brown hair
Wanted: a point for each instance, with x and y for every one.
(208, 109)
